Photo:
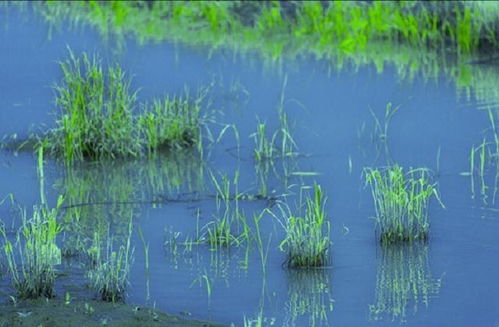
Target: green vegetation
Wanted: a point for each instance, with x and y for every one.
(97, 118)
(172, 123)
(403, 277)
(485, 168)
(230, 226)
(109, 276)
(264, 148)
(414, 37)
(256, 322)
(274, 28)
(307, 237)
(99, 121)
(381, 129)
(401, 202)
(279, 145)
(33, 256)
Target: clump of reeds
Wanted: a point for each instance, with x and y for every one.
(401, 202)
(111, 267)
(97, 119)
(307, 237)
(32, 258)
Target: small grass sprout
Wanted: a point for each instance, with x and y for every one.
(264, 147)
(280, 145)
(307, 239)
(219, 233)
(401, 202)
(230, 226)
(32, 258)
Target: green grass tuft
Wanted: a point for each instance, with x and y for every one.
(307, 240)
(97, 117)
(401, 202)
(171, 123)
(32, 258)
(230, 226)
(109, 276)
(96, 106)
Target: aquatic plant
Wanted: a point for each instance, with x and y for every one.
(307, 240)
(109, 276)
(256, 322)
(32, 258)
(403, 277)
(281, 144)
(409, 35)
(486, 167)
(219, 233)
(97, 121)
(272, 27)
(96, 106)
(381, 129)
(230, 226)
(401, 202)
(264, 147)
(173, 122)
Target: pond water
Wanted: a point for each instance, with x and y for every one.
(451, 281)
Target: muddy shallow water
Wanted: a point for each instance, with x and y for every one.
(331, 114)
(90, 313)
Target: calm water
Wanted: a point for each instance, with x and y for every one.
(332, 124)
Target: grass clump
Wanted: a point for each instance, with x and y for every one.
(230, 226)
(401, 202)
(171, 123)
(307, 237)
(109, 276)
(97, 119)
(32, 258)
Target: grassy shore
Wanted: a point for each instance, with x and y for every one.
(418, 38)
(276, 27)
